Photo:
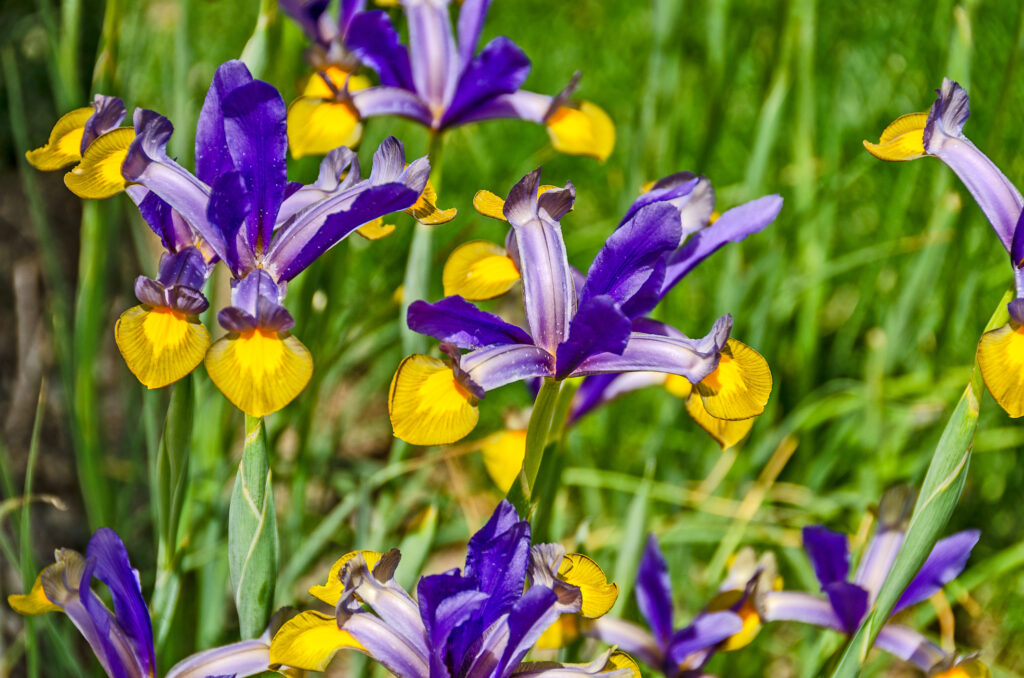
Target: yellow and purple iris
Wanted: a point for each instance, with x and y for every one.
(481, 621)
(122, 640)
(939, 133)
(846, 602)
(439, 80)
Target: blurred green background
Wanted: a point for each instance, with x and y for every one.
(866, 296)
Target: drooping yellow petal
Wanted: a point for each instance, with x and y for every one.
(330, 591)
(621, 660)
(376, 229)
(160, 346)
(503, 454)
(64, 147)
(34, 602)
(726, 432)
(99, 175)
(740, 386)
(972, 669)
(260, 371)
(582, 130)
(426, 211)
(902, 140)
(598, 595)
(317, 126)
(1001, 359)
(560, 634)
(678, 386)
(747, 612)
(479, 270)
(490, 205)
(427, 405)
(309, 641)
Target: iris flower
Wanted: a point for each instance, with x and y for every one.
(575, 329)
(123, 639)
(939, 133)
(845, 602)
(439, 80)
(729, 622)
(477, 623)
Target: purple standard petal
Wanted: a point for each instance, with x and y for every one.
(693, 359)
(446, 602)
(375, 41)
(850, 603)
(212, 155)
(828, 553)
(455, 320)
(432, 55)
(706, 631)
(501, 68)
(255, 129)
(654, 592)
(946, 561)
(493, 367)
(548, 294)
(174, 233)
(229, 207)
(328, 183)
(599, 326)
(943, 137)
(108, 112)
(384, 100)
(529, 618)
(733, 226)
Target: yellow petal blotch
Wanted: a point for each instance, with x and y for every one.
(160, 346)
(479, 270)
(726, 432)
(330, 591)
(503, 454)
(34, 602)
(972, 669)
(309, 641)
(1001, 359)
(598, 595)
(376, 229)
(64, 147)
(902, 140)
(317, 126)
(99, 175)
(564, 631)
(740, 385)
(582, 130)
(426, 211)
(260, 371)
(318, 88)
(621, 660)
(726, 600)
(427, 405)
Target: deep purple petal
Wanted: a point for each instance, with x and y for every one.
(309, 14)
(647, 298)
(946, 561)
(828, 553)
(247, 292)
(229, 207)
(654, 592)
(602, 388)
(187, 267)
(432, 55)
(850, 603)
(350, 9)
(527, 621)
(1017, 248)
(149, 291)
(173, 231)
(599, 326)
(234, 319)
(373, 39)
(108, 112)
(446, 602)
(501, 68)
(455, 320)
(188, 300)
(706, 631)
(496, 366)
(212, 155)
(670, 190)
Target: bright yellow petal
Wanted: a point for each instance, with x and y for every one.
(259, 371)
(902, 140)
(582, 130)
(598, 595)
(747, 613)
(309, 641)
(490, 205)
(426, 211)
(1001, 359)
(972, 669)
(99, 174)
(479, 270)
(726, 432)
(678, 386)
(503, 454)
(427, 405)
(330, 591)
(160, 346)
(376, 229)
(740, 386)
(34, 602)
(560, 634)
(621, 660)
(316, 87)
(317, 126)
(64, 147)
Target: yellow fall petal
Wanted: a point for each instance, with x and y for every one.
(259, 371)
(479, 270)
(426, 211)
(726, 432)
(621, 660)
(427, 405)
(160, 346)
(376, 229)
(598, 595)
(972, 669)
(309, 641)
(34, 602)
(740, 386)
(678, 386)
(746, 612)
(330, 591)
(99, 175)
(316, 86)
(1001, 359)
(503, 454)
(586, 130)
(64, 147)
(902, 140)
(317, 126)
(564, 631)
(490, 205)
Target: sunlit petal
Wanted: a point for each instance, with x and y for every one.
(99, 174)
(159, 345)
(309, 641)
(582, 572)
(427, 405)
(63, 148)
(902, 140)
(1001, 359)
(582, 130)
(503, 454)
(740, 386)
(479, 270)
(259, 371)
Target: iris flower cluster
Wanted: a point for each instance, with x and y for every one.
(238, 208)
(439, 80)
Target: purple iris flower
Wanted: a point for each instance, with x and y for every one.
(329, 35)
(846, 602)
(123, 639)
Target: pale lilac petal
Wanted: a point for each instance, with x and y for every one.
(471, 22)
(909, 645)
(522, 104)
(245, 658)
(493, 367)
(706, 631)
(384, 100)
(629, 637)
(799, 607)
(433, 57)
(693, 359)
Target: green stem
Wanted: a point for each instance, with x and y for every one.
(537, 433)
(550, 474)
